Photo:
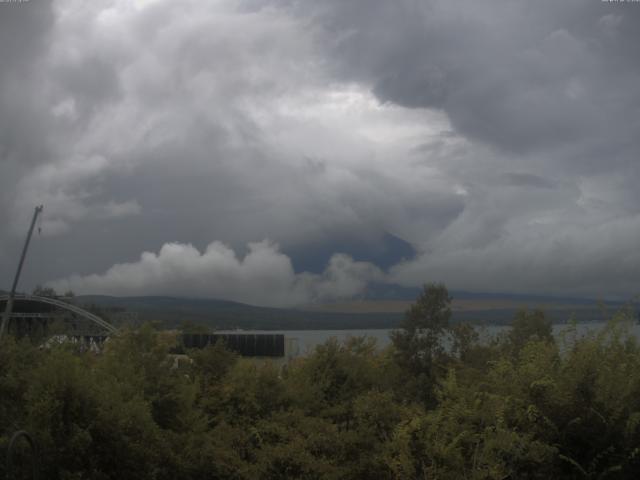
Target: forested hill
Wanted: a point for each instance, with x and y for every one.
(172, 312)
(474, 308)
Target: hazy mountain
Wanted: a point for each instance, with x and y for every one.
(482, 308)
(222, 314)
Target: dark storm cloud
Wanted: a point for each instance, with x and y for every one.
(199, 126)
(498, 138)
(551, 88)
(91, 81)
(24, 137)
(527, 180)
(24, 32)
(521, 76)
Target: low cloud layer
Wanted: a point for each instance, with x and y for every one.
(264, 276)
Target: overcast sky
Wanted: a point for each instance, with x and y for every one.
(192, 147)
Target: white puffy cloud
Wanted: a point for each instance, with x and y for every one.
(264, 276)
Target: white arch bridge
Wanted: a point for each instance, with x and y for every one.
(63, 305)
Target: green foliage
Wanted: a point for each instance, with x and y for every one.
(419, 349)
(529, 326)
(436, 404)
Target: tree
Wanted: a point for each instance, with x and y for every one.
(419, 341)
(528, 326)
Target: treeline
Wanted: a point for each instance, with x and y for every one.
(436, 404)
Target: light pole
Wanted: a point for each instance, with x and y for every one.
(9, 307)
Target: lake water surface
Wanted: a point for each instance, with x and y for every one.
(309, 339)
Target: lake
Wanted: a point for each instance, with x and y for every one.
(309, 339)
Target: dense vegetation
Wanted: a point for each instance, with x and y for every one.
(436, 404)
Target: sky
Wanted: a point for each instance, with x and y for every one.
(286, 152)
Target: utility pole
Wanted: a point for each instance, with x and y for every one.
(12, 294)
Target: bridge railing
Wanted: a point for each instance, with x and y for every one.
(66, 306)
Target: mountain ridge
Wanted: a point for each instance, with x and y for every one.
(172, 311)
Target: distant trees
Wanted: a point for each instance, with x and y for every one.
(50, 292)
(42, 291)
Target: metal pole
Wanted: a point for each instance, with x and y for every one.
(9, 307)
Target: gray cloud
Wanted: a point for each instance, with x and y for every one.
(499, 139)
(527, 180)
(518, 76)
